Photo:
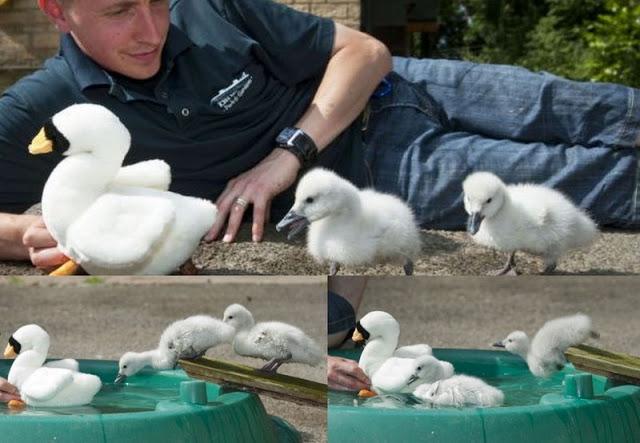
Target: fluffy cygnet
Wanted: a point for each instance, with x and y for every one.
(405, 374)
(380, 331)
(348, 226)
(545, 354)
(524, 217)
(274, 341)
(459, 391)
(187, 338)
(59, 384)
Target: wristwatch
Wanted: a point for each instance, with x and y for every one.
(297, 142)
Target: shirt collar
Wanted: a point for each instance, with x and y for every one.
(88, 73)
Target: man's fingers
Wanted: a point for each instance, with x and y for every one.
(233, 224)
(47, 258)
(259, 217)
(359, 375)
(7, 387)
(4, 397)
(345, 382)
(38, 237)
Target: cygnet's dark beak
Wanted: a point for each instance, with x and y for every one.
(120, 378)
(413, 378)
(295, 222)
(498, 344)
(473, 223)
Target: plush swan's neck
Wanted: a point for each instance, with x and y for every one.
(24, 365)
(376, 352)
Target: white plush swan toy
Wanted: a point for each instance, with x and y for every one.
(188, 338)
(112, 219)
(545, 354)
(349, 226)
(274, 341)
(381, 331)
(525, 217)
(40, 385)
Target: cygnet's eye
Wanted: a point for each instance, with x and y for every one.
(230, 317)
(509, 340)
(419, 368)
(309, 200)
(124, 366)
(489, 200)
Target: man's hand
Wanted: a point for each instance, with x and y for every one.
(346, 375)
(258, 186)
(8, 392)
(43, 250)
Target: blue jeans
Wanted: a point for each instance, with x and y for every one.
(444, 119)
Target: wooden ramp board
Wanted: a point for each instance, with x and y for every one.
(244, 377)
(615, 365)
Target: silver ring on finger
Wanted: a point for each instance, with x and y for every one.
(241, 202)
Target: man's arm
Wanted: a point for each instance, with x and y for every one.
(25, 237)
(357, 65)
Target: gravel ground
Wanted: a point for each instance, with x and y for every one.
(98, 318)
(444, 253)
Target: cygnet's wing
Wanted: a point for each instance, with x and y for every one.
(556, 335)
(413, 351)
(45, 383)
(393, 375)
(67, 363)
(120, 230)
(155, 174)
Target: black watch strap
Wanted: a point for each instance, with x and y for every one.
(299, 143)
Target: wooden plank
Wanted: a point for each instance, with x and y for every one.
(284, 387)
(615, 365)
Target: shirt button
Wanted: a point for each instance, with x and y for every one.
(185, 112)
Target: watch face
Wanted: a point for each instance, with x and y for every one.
(286, 135)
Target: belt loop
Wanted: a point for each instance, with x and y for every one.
(365, 116)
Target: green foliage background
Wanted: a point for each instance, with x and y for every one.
(595, 40)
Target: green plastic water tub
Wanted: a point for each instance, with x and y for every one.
(164, 406)
(569, 407)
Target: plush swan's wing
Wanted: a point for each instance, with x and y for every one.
(155, 174)
(393, 375)
(67, 363)
(45, 383)
(120, 230)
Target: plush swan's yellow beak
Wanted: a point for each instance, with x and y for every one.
(40, 144)
(357, 337)
(9, 352)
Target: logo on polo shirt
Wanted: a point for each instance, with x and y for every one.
(227, 98)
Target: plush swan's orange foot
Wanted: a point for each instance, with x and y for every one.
(16, 404)
(365, 393)
(68, 268)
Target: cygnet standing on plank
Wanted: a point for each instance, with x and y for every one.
(545, 354)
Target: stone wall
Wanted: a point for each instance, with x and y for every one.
(27, 38)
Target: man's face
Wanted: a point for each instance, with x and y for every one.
(123, 36)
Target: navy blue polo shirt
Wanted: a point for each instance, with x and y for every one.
(234, 74)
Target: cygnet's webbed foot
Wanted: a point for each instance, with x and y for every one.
(408, 267)
(333, 268)
(188, 268)
(509, 267)
(271, 367)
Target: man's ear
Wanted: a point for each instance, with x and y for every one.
(53, 10)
